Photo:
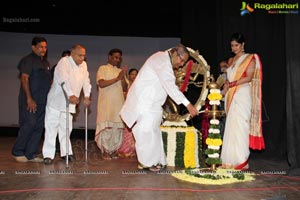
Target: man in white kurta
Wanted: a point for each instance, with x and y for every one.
(71, 73)
(143, 106)
(111, 85)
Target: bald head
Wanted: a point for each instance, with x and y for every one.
(78, 53)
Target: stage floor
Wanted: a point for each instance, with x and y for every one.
(119, 179)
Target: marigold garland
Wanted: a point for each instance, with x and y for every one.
(214, 140)
(183, 146)
(218, 177)
(189, 150)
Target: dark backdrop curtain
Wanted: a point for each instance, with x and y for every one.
(293, 92)
(265, 35)
(208, 28)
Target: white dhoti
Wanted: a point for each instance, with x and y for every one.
(148, 139)
(109, 136)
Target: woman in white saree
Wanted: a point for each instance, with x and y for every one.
(242, 91)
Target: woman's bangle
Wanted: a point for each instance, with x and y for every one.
(232, 84)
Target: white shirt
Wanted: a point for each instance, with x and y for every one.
(75, 78)
(154, 82)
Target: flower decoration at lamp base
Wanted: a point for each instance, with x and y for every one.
(214, 139)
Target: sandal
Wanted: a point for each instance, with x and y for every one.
(141, 167)
(160, 166)
(154, 169)
(151, 169)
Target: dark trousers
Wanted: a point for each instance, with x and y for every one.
(30, 132)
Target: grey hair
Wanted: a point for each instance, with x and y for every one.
(181, 50)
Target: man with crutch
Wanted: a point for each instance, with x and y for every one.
(71, 76)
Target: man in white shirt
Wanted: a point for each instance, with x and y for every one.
(142, 109)
(71, 75)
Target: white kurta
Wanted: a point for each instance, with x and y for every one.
(75, 78)
(109, 126)
(235, 148)
(143, 105)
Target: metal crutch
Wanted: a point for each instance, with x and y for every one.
(67, 125)
(86, 134)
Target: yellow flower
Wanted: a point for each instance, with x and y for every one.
(189, 150)
(213, 142)
(182, 175)
(214, 96)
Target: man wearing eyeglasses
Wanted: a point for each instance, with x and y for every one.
(142, 110)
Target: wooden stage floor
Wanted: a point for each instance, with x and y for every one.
(119, 179)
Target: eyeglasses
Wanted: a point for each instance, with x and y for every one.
(180, 57)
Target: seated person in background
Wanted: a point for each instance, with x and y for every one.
(222, 77)
(127, 148)
(221, 80)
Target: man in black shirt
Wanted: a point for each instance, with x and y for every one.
(35, 80)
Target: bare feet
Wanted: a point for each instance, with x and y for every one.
(114, 155)
(106, 156)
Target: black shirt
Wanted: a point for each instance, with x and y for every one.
(38, 69)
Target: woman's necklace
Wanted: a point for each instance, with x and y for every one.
(235, 58)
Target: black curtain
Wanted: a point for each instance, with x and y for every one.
(292, 39)
(275, 37)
